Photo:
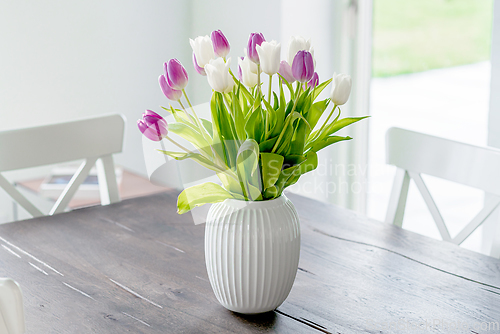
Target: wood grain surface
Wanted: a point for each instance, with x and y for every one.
(138, 267)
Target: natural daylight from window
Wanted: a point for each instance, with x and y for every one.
(431, 74)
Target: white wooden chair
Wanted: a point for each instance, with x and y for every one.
(416, 153)
(93, 139)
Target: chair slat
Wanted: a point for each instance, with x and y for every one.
(56, 143)
(429, 201)
(470, 165)
(19, 198)
(476, 222)
(399, 194)
(108, 187)
(72, 187)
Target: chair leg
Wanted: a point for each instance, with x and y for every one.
(19, 198)
(15, 211)
(397, 202)
(495, 244)
(108, 187)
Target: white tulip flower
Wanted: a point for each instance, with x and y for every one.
(296, 44)
(341, 88)
(269, 55)
(253, 66)
(248, 76)
(218, 75)
(203, 50)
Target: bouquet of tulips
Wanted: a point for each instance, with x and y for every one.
(258, 142)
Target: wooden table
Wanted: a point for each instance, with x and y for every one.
(138, 267)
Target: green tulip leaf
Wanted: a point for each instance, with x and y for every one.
(289, 86)
(200, 159)
(321, 144)
(208, 126)
(239, 119)
(285, 175)
(342, 123)
(316, 111)
(271, 168)
(199, 195)
(247, 163)
(190, 134)
(292, 160)
(254, 126)
(267, 146)
(316, 91)
(310, 164)
(270, 193)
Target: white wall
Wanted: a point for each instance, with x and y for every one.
(236, 19)
(62, 60)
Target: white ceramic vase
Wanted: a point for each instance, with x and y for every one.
(252, 253)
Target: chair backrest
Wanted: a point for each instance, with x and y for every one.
(93, 139)
(417, 153)
(11, 307)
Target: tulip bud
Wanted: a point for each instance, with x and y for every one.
(286, 71)
(303, 66)
(254, 40)
(218, 75)
(170, 93)
(341, 88)
(198, 69)
(269, 56)
(176, 74)
(153, 126)
(203, 49)
(314, 81)
(220, 43)
(248, 77)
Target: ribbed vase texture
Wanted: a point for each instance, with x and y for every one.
(252, 253)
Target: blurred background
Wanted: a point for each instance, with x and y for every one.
(425, 65)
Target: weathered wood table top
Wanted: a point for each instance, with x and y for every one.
(138, 267)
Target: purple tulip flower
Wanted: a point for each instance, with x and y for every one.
(197, 67)
(170, 93)
(303, 66)
(220, 43)
(254, 40)
(314, 81)
(176, 74)
(153, 126)
(286, 71)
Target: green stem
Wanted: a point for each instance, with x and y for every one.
(324, 124)
(202, 129)
(178, 145)
(269, 91)
(231, 114)
(258, 79)
(287, 119)
(222, 170)
(185, 112)
(234, 78)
